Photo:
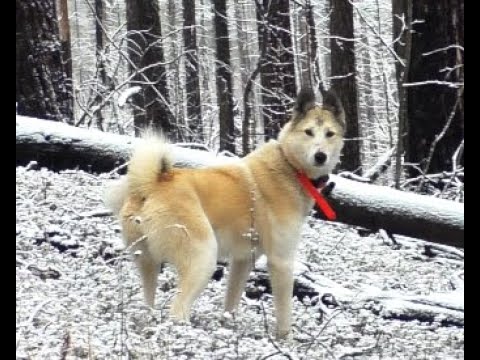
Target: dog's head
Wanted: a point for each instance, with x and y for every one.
(313, 139)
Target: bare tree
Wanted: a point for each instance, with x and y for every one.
(375, 81)
(224, 77)
(433, 79)
(402, 36)
(175, 48)
(299, 18)
(64, 31)
(194, 111)
(250, 123)
(43, 66)
(312, 41)
(103, 82)
(148, 68)
(278, 69)
(344, 77)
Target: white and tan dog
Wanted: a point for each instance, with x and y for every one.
(191, 217)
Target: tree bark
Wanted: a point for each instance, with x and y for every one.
(402, 19)
(43, 66)
(64, 32)
(304, 68)
(430, 106)
(145, 50)
(344, 77)
(194, 110)
(102, 78)
(369, 206)
(313, 43)
(278, 70)
(224, 78)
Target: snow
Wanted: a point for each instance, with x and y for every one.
(94, 309)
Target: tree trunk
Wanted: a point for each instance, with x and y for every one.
(177, 90)
(402, 19)
(343, 67)
(242, 42)
(314, 60)
(147, 63)
(64, 32)
(224, 78)
(60, 146)
(194, 111)
(278, 70)
(43, 65)
(251, 122)
(304, 67)
(436, 54)
(103, 83)
(366, 100)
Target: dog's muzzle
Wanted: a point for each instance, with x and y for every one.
(320, 158)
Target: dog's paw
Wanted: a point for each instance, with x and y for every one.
(283, 334)
(228, 315)
(179, 314)
(227, 319)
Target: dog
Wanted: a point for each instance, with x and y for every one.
(192, 217)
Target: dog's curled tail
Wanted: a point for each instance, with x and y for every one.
(151, 159)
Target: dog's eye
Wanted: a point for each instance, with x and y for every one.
(309, 132)
(330, 134)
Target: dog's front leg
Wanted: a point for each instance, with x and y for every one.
(281, 274)
(239, 271)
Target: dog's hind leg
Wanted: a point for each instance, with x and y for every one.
(136, 241)
(239, 271)
(149, 273)
(195, 267)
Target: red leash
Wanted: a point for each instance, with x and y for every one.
(317, 196)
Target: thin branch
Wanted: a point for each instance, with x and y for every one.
(455, 85)
(456, 47)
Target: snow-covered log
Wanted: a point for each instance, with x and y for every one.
(398, 212)
(61, 146)
(375, 207)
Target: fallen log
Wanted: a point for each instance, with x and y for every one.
(418, 216)
(60, 146)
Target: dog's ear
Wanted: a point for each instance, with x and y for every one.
(305, 101)
(332, 103)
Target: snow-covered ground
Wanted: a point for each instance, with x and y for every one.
(78, 294)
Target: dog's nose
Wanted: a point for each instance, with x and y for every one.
(320, 158)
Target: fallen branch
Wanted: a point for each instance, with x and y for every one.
(447, 308)
(94, 213)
